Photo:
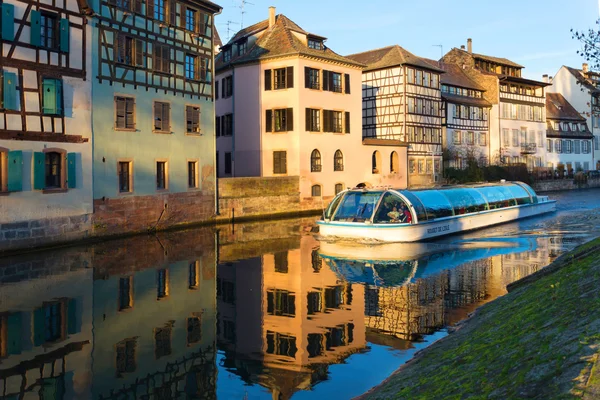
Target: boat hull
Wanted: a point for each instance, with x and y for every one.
(433, 229)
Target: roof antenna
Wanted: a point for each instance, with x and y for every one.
(229, 30)
(243, 10)
(441, 49)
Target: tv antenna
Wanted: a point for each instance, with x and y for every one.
(229, 29)
(441, 49)
(242, 7)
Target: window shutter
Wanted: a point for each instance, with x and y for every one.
(196, 115)
(224, 125)
(269, 120)
(8, 22)
(35, 36)
(172, 12)
(14, 332)
(223, 88)
(139, 52)
(308, 126)
(49, 96)
(71, 170)
(72, 317)
(217, 89)
(9, 96)
(326, 121)
(137, 6)
(284, 162)
(129, 110)
(325, 80)
(64, 35)
(289, 79)
(120, 118)
(347, 125)
(15, 171)
(289, 119)
(166, 59)
(39, 171)
(218, 126)
(182, 16)
(166, 117)
(204, 20)
(306, 77)
(150, 8)
(267, 79)
(39, 327)
(347, 83)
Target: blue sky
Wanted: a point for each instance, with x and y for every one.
(534, 33)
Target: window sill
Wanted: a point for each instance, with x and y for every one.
(197, 134)
(125, 193)
(57, 190)
(125, 129)
(193, 189)
(162, 132)
(166, 190)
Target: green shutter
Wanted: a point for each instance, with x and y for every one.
(8, 22)
(35, 28)
(10, 91)
(38, 327)
(14, 344)
(72, 170)
(72, 317)
(64, 35)
(39, 171)
(49, 97)
(59, 97)
(15, 171)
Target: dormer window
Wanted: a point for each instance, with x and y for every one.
(316, 44)
(242, 46)
(227, 55)
(582, 127)
(556, 126)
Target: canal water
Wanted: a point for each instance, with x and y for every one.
(254, 311)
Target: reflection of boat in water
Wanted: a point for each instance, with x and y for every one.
(400, 263)
(408, 216)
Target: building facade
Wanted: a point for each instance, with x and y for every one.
(288, 105)
(45, 122)
(569, 140)
(517, 131)
(153, 125)
(402, 102)
(580, 88)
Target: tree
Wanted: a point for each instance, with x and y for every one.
(590, 40)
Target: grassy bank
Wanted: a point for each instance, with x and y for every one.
(540, 341)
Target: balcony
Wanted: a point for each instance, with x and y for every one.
(528, 148)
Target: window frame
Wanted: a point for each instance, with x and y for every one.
(129, 173)
(312, 190)
(125, 98)
(62, 155)
(46, 15)
(338, 161)
(198, 132)
(316, 161)
(165, 163)
(283, 168)
(168, 119)
(195, 163)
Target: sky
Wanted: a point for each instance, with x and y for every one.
(533, 33)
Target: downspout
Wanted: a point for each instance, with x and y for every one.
(233, 123)
(215, 161)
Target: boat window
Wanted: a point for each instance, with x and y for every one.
(494, 196)
(466, 200)
(529, 190)
(520, 194)
(417, 206)
(333, 206)
(357, 206)
(436, 204)
(392, 210)
(510, 198)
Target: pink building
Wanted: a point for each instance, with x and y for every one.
(287, 105)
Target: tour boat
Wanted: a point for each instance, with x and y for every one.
(391, 215)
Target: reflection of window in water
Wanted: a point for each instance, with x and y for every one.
(194, 330)
(281, 344)
(315, 345)
(194, 268)
(226, 291)
(372, 302)
(337, 296)
(316, 260)
(341, 335)
(53, 388)
(125, 293)
(281, 302)
(53, 322)
(229, 330)
(126, 362)
(162, 341)
(314, 302)
(162, 283)
(281, 262)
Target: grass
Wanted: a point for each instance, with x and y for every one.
(539, 341)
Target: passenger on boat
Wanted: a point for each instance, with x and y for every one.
(407, 215)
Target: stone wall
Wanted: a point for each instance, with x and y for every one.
(564, 184)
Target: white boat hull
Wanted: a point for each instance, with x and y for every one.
(432, 229)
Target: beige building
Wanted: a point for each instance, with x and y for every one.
(402, 103)
(287, 105)
(518, 121)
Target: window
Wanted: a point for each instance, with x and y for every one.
(52, 97)
(228, 163)
(281, 120)
(242, 46)
(315, 191)
(456, 139)
(427, 79)
(281, 344)
(482, 139)
(281, 262)
(161, 175)
(315, 161)
(194, 330)
(280, 75)
(577, 146)
(339, 187)
(419, 78)
(375, 162)
(226, 54)
(162, 283)
(125, 293)
(227, 125)
(162, 341)
(280, 78)
(195, 67)
(126, 359)
(53, 170)
(332, 81)
(161, 61)
(129, 51)
(191, 19)
(162, 117)
(315, 44)
(125, 112)
(394, 163)
(515, 137)
(311, 78)
(332, 121)
(410, 75)
(192, 174)
(227, 89)
(124, 172)
(549, 145)
(159, 7)
(192, 119)
(313, 120)
(279, 162)
(281, 303)
(505, 137)
(48, 30)
(338, 161)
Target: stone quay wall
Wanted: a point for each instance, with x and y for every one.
(564, 184)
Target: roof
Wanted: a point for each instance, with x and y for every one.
(391, 56)
(496, 60)
(581, 78)
(557, 107)
(278, 41)
(525, 81)
(553, 133)
(455, 76)
(466, 100)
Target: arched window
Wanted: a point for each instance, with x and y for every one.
(376, 162)
(338, 161)
(339, 187)
(394, 163)
(315, 161)
(315, 191)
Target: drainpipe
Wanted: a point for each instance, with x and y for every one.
(233, 124)
(215, 161)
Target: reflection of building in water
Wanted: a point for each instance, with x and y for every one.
(310, 318)
(45, 339)
(154, 322)
(519, 265)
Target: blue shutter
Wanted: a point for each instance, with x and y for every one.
(8, 22)
(72, 170)
(15, 171)
(49, 96)
(14, 345)
(39, 171)
(64, 35)
(10, 91)
(39, 327)
(36, 28)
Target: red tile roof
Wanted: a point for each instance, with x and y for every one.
(557, 107)
(391, 56)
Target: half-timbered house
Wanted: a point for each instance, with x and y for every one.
(153, 118)
(402, 102)
(290, 106)
(45, 122)
(517, 103)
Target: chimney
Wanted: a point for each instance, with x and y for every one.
(585, 67)
(470, 45)
(545, 78)
(462, 46)
(549, 79)
(271, 16)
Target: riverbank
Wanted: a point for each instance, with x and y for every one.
(541, 340)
